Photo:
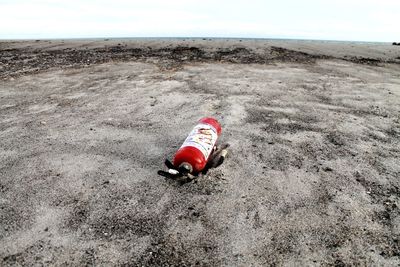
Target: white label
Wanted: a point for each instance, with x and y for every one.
(203, 137)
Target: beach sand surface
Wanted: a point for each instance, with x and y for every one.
(311, 178)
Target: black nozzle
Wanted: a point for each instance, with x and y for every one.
(185, 168)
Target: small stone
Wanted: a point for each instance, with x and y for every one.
(328, 169)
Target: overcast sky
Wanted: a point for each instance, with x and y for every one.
(358, 20)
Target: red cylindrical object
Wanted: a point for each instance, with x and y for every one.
(198, 145)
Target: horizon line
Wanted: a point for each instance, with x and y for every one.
(188, 37)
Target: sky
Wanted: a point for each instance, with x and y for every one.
(351, 20)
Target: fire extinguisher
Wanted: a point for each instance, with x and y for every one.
(198, 152)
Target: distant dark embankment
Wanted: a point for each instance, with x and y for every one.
(21, 61)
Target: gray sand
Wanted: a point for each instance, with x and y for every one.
(312, 177)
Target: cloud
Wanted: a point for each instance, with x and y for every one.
(369, 20)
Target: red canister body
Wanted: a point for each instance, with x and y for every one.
(199, 144)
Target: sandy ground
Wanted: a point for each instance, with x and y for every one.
(312, 177)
